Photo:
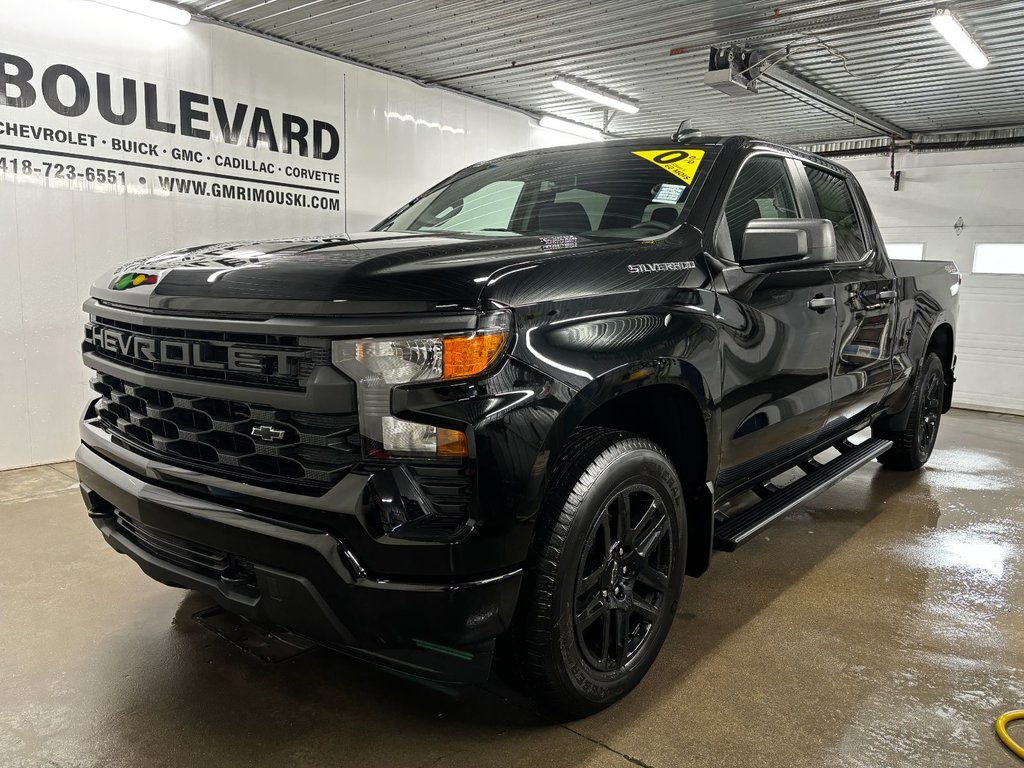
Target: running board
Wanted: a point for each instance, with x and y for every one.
(776, 502)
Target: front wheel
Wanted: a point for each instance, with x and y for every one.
(604, 574)
(913, 446)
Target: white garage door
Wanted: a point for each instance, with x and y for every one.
(984, 188)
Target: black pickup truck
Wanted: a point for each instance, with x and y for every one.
(515, 413)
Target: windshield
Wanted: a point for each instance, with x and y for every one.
(599, 192)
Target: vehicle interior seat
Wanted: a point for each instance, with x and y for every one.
(566, 217)
(666, 214)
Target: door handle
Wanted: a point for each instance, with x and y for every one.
(887, 295)
(820, 303)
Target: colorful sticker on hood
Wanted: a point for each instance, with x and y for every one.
(133, 280)
(681, 163)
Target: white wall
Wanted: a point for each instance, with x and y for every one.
(56, 235)
(986, 189)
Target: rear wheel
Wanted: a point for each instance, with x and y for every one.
(913, 446)
(604, 574)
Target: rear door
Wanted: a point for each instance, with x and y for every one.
(865, 299)
(778, 329)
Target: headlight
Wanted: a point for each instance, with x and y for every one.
(378, 365)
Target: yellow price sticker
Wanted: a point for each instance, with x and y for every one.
(681, 163)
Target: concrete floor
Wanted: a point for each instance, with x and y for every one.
(879, 626)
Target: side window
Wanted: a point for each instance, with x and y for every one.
(835, 203)
(763, 190)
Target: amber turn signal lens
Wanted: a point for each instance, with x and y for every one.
(451, 443)
(466, 356)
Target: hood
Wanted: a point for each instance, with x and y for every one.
(370, 272)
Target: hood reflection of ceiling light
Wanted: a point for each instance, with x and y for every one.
(154, 10)
(575, 129)
(592, 94)
(949, 27)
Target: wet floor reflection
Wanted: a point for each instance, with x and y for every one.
(879, 625)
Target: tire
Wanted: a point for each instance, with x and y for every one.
(603, 578)
(913, 446)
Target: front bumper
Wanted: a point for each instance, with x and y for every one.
(298, 576)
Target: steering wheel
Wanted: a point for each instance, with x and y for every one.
(661, 226)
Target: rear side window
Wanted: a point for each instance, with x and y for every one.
(835, 203)
(762, 190)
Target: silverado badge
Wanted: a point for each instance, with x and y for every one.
(665, 266)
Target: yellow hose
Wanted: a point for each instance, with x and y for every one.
(1006, 717)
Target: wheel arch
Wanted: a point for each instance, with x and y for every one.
(667, 402)
(940, 339)
(941, 343)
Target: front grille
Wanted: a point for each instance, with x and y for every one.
(194, 557)
(311, 452)
(250, 359)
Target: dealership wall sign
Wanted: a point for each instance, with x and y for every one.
(65, 122)
(122, 137)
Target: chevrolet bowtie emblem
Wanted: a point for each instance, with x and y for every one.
(268, 433)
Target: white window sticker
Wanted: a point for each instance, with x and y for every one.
(669, 193)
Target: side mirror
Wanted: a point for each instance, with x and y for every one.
(770, 244)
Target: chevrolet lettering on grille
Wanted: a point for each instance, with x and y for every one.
(184, 352)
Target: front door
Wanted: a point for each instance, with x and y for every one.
(778, 331)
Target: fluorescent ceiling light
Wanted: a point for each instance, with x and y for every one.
(583, 131)
(154, 10)
(594, 95)
(950, 28)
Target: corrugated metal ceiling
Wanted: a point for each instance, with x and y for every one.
(882, 56)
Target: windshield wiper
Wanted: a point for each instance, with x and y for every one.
(525, 232)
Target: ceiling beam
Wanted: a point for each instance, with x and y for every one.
(795, 86)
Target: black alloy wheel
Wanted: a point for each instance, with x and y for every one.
(602, 583)
(912, 447)
(931, 410)
(622, 579)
